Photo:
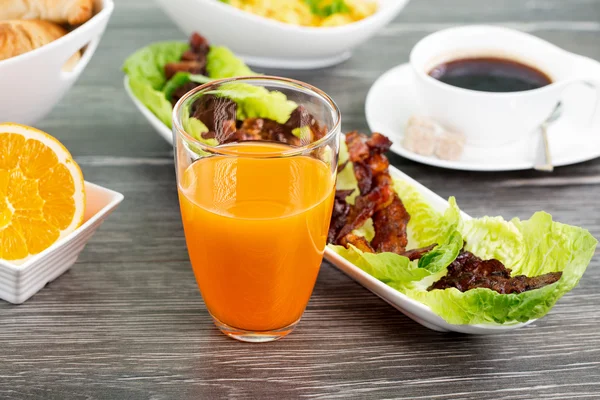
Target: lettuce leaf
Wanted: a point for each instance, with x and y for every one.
(426, 225)
(148, 64)
(387, 267)
(533, 247)
(145, 69)
(195, 128)
(222, 63)
(547, 246)
(442, 255)
(180, 79)
(153, 99)
(257, 102)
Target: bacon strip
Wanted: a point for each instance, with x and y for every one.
(377, 199)
(416, 254)
(360, 242)
(390, 228)
(341, 209)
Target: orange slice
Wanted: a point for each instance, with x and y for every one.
(42, 193)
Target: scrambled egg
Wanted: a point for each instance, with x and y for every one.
(320, 13)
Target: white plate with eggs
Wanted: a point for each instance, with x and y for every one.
(265, 42)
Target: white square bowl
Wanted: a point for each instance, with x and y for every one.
(19, 282)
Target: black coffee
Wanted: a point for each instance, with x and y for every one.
(489, 74)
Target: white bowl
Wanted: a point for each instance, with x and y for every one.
(265, 42)
(19, 282)
(34, 82)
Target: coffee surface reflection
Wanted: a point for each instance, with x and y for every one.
(490, 74)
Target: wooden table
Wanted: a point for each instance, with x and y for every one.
(127, 322)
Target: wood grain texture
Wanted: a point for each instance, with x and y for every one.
(127, 322)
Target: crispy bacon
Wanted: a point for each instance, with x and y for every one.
(192, 61)
(300, 117)
(379, 201)
(379, 143)
(193, 67)
(378, 164)
(357, 147)
(469, 272)
(365, 206)
(360, 242)
(219, 116)
(341, 209)
(199, 44)
(390, 228)
(376, 190)
(416, 254)
(364, 177)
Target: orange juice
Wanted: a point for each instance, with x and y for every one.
(256, 231)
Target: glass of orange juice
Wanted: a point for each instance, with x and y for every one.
(256, 161)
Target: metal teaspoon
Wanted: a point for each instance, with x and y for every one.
(543, 159)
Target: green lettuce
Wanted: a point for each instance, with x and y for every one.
(195, 128)
(153, 99)
(387, 267)
(148, 63)
(222, 63)
(544, 246)
(257, 102)
(180, 79)
(533, 247)
(145, 69)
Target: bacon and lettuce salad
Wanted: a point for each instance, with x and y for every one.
(161, 73)
(477, 271)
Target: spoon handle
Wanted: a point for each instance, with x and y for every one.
(544, 158)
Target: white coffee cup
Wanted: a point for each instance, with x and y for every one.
(489, 118)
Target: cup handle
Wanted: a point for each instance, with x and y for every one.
(582, 75)
(593, 84)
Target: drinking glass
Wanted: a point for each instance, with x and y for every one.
(256, 178)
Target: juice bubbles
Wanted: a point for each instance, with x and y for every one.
(256, 230)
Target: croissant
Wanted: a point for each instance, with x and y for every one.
(18, 37)
(73, 12)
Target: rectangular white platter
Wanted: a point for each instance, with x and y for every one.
(409, 307)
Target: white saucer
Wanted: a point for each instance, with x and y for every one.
(392, 100)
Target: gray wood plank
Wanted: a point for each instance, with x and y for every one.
(127, 322)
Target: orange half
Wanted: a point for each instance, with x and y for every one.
(42, 192)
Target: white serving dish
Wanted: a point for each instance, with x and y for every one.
(33, 83)
(265, 42)
(19, 282)
(411, 308)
